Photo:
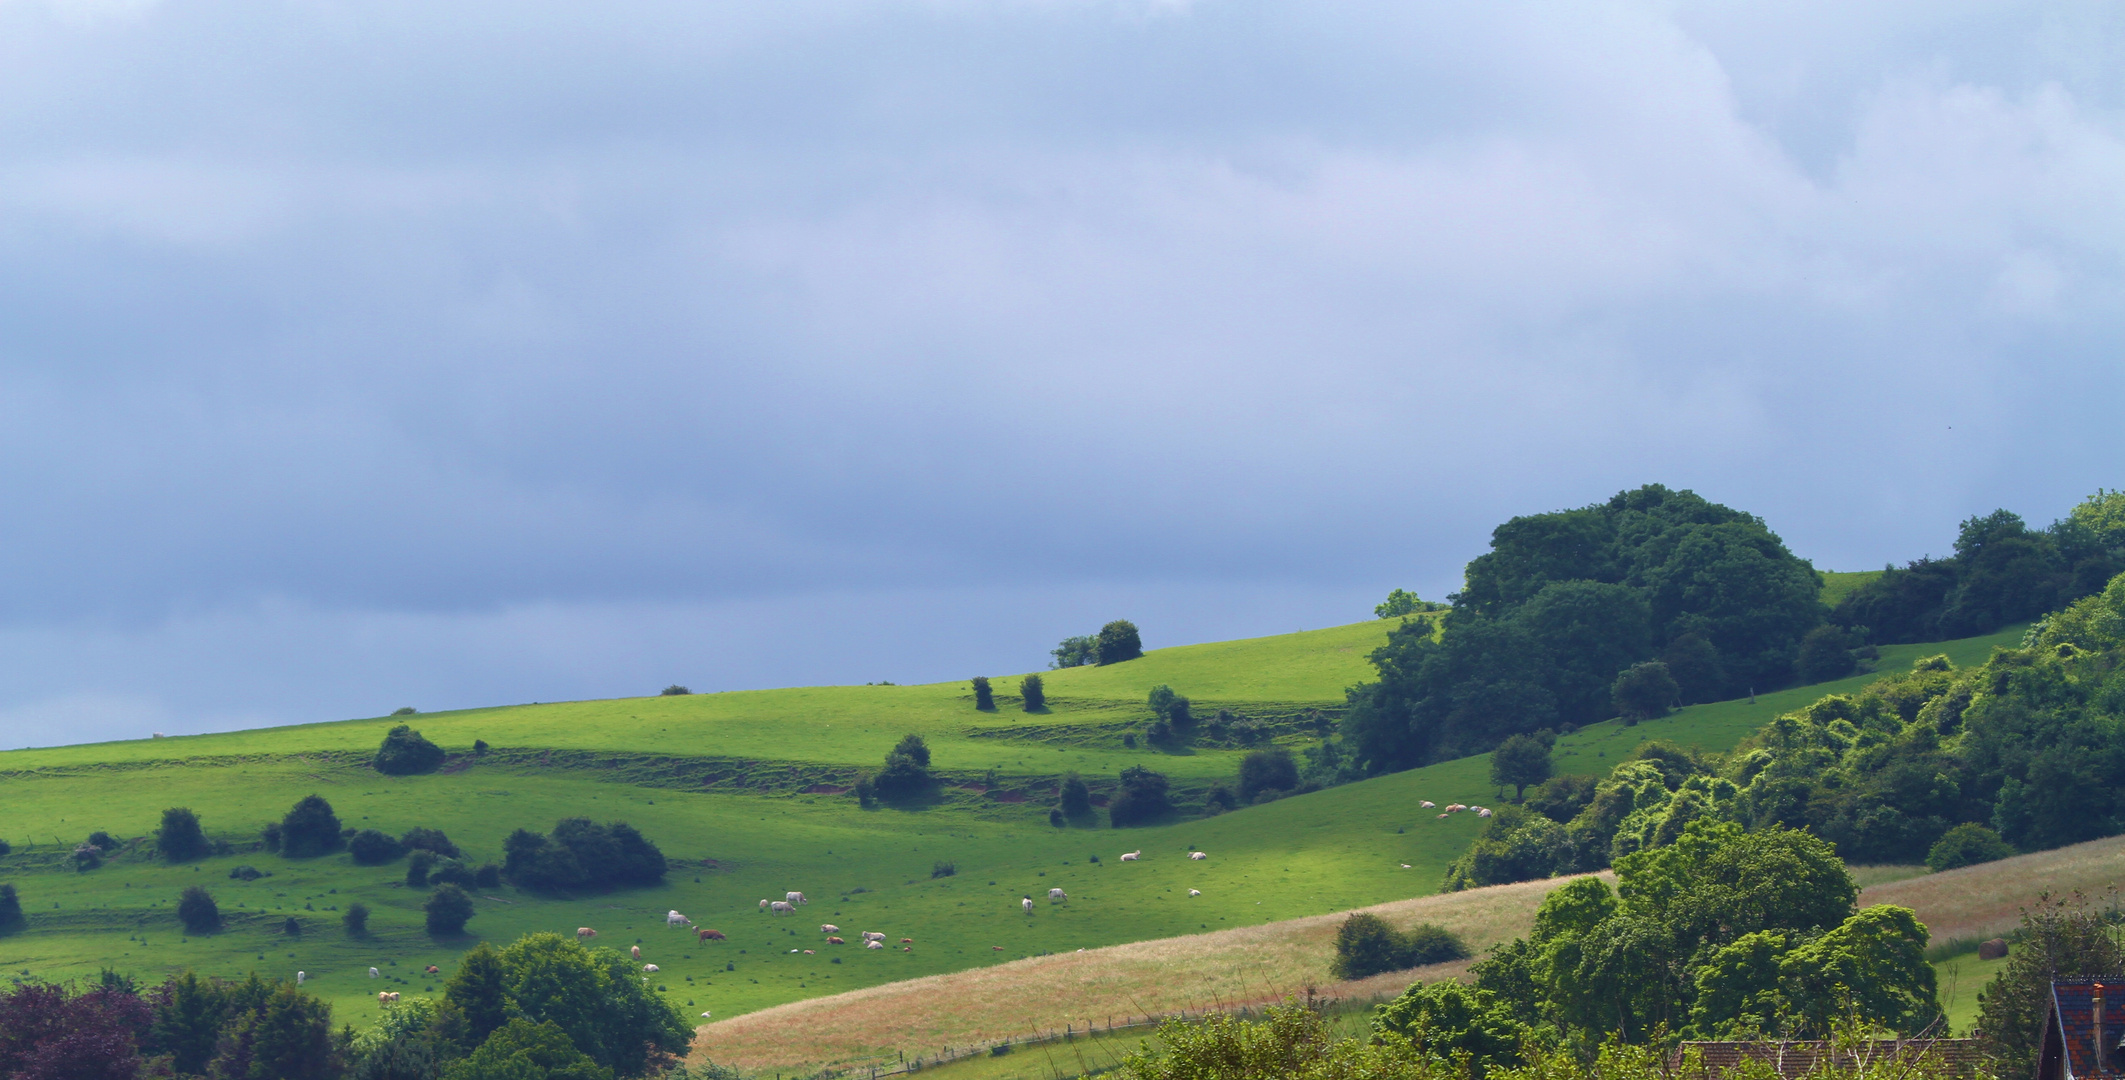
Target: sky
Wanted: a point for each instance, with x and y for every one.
(356, 355)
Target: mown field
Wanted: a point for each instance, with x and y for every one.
(741, 792)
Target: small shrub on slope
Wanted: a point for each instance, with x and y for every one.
(1967, 845)
(404, 752)
(180, 838)
(372, 848)
(197, 911)
(1368, 945)
(310, 828)
(448, 910)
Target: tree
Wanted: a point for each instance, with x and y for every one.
(417, 867)
(595, 995)
(415, 1040)
(1033, 693)
(2060, 938)
(427, 839)
(1366, 944)
(1117, 641)
(373, 848)
(477, 990)
(674, 690)
(1446, 1020)
(1643, 692)
(1269, 769)
(1074, 652)
(404, 752)
(1292, 1043)
(907, 770)
(448, 910)
(1694, 664)
(180, 839)
(1399, 602)
(11, 918)
(1824, 656)
(522, 1050)
(310, 828)
(189, 1013)
(1141, 798)
(1519, 762)
(1967, 845)
(1075, 798)
(356, 919)
(286, 1035)
(984, 698)
(48, 1032)
(197, 911)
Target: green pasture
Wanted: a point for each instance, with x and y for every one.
(734, 845)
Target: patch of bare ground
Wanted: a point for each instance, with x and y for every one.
(1248, 965)
(1986, 900)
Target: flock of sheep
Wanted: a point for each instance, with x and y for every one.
(1455, 808)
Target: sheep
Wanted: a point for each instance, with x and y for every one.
(1058, 895)
(1027, 904)
(795, 898)
(432, 969)
(160, 735)
(636, 950)
(1132, 856)
(704, 1016)
(386, 997)
(808, 952)
(373, 973)
(835, 941)
(1483, 813)
(829, 928)
(300, 976)
(651, 968)
(998, 948)
(584, 933)
(673, 918)
(711, 935)
(1427, 804)
(907, 941)
(1198, 856)
(1195, 892)
(873, 935)
(874, 944)
(763, 905)
(780, 907)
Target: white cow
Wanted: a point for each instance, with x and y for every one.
(300, 976)
(373, 973)
(1132, 856)
(651, 968)
(584, 933)
(636, 950)
(829, 928)
(781, 907)
(704, 1016)
(1427, 804)
(874, 943)
(1195, 892)
(1198, 855)
(1027, 904)
(795, 898)
(673, 918)
(1057, 894)
(873, 935)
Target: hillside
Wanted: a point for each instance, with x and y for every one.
(742, 792)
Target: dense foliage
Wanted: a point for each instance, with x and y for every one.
(10, 908)
(2002, 572)
(197, 911)
(1074, 652)
(1367, 944)
(310, 828)
(1117, 641)
(1402, 602)
(984, 697)
(1032, 693)
(405, 752)
(448, 910)
(1564, 602)
(1074, 797)
(582, 854)
(1271, 768)
(907, 769)
(1141, 798)
(180, 839)
(370, 847)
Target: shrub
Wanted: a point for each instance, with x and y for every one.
(1519, 762)
(404, 752)
(448, 911)
(1074, 652)
(1117, 641)
(1824, 655)
(291, 926)
(488, 876)
(943, 869)
(1644, 691)
(1057, 819)
(479, 747)
(404, 710)
(1268, 769)
(270, 836)
(10, 909)
(87, 857)
(103, 841)
(1967, 845)
(428, 839)
(1367, 945)
(907, 770)
(310, 828)
(674, 690)
(1033, 692)
(451, 872)
(356, 918)
(1075, 799)
(372, 848)
(245, 873)
(180, 839)
(866, 792)
(580, 854)
(984, 698)
(6, 848)
(1220, 799)
(197, 911)
(1140, 799)
(417, 868)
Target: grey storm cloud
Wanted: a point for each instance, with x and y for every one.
(352, 354)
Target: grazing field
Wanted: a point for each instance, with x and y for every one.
(746, 794)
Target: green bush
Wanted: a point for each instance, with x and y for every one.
(1518, 763)
(451, 872)
(10, 909)
(197, 911)
(984, 698)
(1367, 944)
(1117, 641)
(1967, 845)
(907, 770)
(1644, 691)
(180, 839)
(356, 918)
(417, 867)
(427, 839)
(674, 690)
(103, 841)
(448, 910)
(1033, 692)
(310, 828)
(1074, 652)
(582, 854)
(372, 848)
(404, 752)
(405, 710)
(1268, 769)
(1824, 655)
(1141, 798)
(1074, 798)
(488, 876)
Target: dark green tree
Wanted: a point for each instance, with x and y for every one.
(1268, 769)
(427, 839)
(197, 911)
(597, 996)
(373, 848)
(1446, 1020)
(404, 752)
(286, 1036)
(1074, 652)
(1141, 798)
(477, 990)
(984, 698)
(417, 867)
(907, 770)
(1074, 798)
(448, 910)
(189, 1013)
(522, 1050)
(356, 919)
(674, 690)
(1967, 845)
(1824, 655)
(1117, 641)
(11, 918)
(1518, 763)
(1694, 664)
(1643, 691)
(1033, 693)
(310, 828)
(180, 839)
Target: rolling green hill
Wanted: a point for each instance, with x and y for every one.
(742, 791)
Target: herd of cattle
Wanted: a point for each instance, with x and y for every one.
(789, 903)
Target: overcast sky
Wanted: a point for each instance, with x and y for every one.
(366, 353)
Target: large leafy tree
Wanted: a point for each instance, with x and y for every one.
(595, 996)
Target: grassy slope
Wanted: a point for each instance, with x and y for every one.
(1838, 584)
(1325, 852)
